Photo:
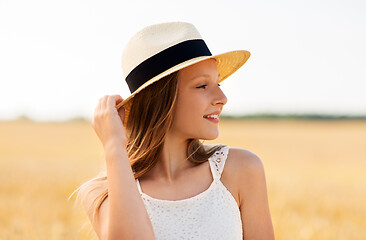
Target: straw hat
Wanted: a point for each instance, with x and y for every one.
(161, 49)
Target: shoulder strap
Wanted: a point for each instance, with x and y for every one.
(217, 162)
(138, 185)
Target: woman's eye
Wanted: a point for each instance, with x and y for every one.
(203, 86)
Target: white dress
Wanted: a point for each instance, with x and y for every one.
(212, 214)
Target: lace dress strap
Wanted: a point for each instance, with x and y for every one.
(217, 162)
(138, 185)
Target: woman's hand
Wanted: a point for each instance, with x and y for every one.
(108, 122)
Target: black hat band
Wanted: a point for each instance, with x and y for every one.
(165, 60)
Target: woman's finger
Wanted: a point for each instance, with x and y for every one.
(119, 100)
(113, 100)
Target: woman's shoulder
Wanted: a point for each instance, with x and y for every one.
(242, 166)
(243, 159)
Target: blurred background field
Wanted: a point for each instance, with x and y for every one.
(315, 173)
(307, 57)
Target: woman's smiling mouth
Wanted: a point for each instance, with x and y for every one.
(213, 117)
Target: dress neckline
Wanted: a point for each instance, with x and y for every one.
(198, 196)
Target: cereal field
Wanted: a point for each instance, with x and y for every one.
(315, 170)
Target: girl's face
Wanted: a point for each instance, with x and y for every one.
(199, 94)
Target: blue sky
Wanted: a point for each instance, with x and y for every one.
(58, 58)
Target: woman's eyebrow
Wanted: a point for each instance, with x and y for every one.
(204, 75)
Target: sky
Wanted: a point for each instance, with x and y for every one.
(57, 58)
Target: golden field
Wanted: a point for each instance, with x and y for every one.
(315, 170)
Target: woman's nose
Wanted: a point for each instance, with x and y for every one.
(220, 97)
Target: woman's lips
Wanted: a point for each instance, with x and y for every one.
(215, 120)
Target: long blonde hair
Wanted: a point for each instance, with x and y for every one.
(150, 117)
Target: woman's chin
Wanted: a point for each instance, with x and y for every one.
(211, 136)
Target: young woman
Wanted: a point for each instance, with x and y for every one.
(160, 181)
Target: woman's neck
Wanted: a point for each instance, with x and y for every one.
(172, 162)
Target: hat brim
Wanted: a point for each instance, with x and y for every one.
(227, 64)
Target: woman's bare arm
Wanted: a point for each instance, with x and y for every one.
(122, 214)
(127, 216)
(254, 208)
